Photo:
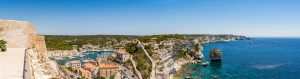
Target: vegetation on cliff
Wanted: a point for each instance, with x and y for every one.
(182, 54)
(143, 63)
(195, 35)
(159, 38)
(2, 45)
(197, 47)
(65, 42)
(131, 47)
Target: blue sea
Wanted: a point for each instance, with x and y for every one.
(259, 58)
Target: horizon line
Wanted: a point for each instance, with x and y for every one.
(173, 34)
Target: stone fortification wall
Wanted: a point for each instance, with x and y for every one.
(18, 34)
(41, 46)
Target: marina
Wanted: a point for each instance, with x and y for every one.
(88, 55)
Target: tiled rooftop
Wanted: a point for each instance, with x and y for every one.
(89, 65)
(83, 70)
(121, 51)
(108, 65)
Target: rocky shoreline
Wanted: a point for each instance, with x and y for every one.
(181, 69)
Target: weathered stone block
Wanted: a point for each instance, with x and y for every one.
(18, 34)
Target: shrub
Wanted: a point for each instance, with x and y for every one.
(72, 76)
(2, 45)
(112, 77)
(197, 47)
(131, 47)
(100, 77)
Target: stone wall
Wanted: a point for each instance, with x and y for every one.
(41, 46)
(18, 34)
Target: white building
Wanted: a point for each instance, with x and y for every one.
(123, 55)
(75, 64)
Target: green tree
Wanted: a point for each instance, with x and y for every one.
(100, 77)
(181, 54)
(197, 47)
(72, 76)
(131, 47)
(2, 45)
(112, 77)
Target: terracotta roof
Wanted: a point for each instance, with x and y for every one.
(84, 71)
(108, 65)
(89, 65)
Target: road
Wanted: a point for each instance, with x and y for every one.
(134, 66)
(129, 74)
(69, 73)
(153, 64)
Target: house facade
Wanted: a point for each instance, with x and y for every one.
(108, 69)
(85, 73)
(123, 55)
(75, 64)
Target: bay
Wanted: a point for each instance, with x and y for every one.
(259, 58)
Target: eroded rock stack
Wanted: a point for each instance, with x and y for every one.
(215, 55)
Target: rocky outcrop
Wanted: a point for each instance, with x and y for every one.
(18, 34)
(215, 55)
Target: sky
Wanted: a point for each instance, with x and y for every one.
(268, 18)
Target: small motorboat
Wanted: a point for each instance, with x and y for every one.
(205, 63)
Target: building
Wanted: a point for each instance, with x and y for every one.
(107, 69)
(123, 55)
(102, 59)
(75, 64)
(90, 67)
(85, 73)
(93, 62)
(63, 53)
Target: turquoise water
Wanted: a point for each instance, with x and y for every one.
(89, 55)
(260, 58)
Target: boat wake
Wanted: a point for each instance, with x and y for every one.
(266, 66)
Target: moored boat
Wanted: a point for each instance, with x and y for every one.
(205, 63)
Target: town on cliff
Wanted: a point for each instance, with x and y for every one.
(104, 56)
(143, 57)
